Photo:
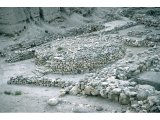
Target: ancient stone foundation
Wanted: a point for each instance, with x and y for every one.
(140, 98)
(78, 55)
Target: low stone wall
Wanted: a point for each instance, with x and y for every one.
(40, 81)
(140, 98)
(20, 55)
(140, 42)
(143, 39)
(83, 29)
(138, 33)
(124, 92)
(132, 65)
(120, 27)
(147, 20)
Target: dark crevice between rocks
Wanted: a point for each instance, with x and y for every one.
(41, 14)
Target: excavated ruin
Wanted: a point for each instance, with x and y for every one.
(110, 54)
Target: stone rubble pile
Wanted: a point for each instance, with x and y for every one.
(132, 65)
(124, 92)
(79, 55)
(112, 88)
(139, 98)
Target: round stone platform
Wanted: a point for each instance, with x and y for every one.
(79, 54)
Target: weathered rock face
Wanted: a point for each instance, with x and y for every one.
(32, 14)
(14, 20)
(49, 14)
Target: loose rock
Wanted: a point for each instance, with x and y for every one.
(53, 101)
